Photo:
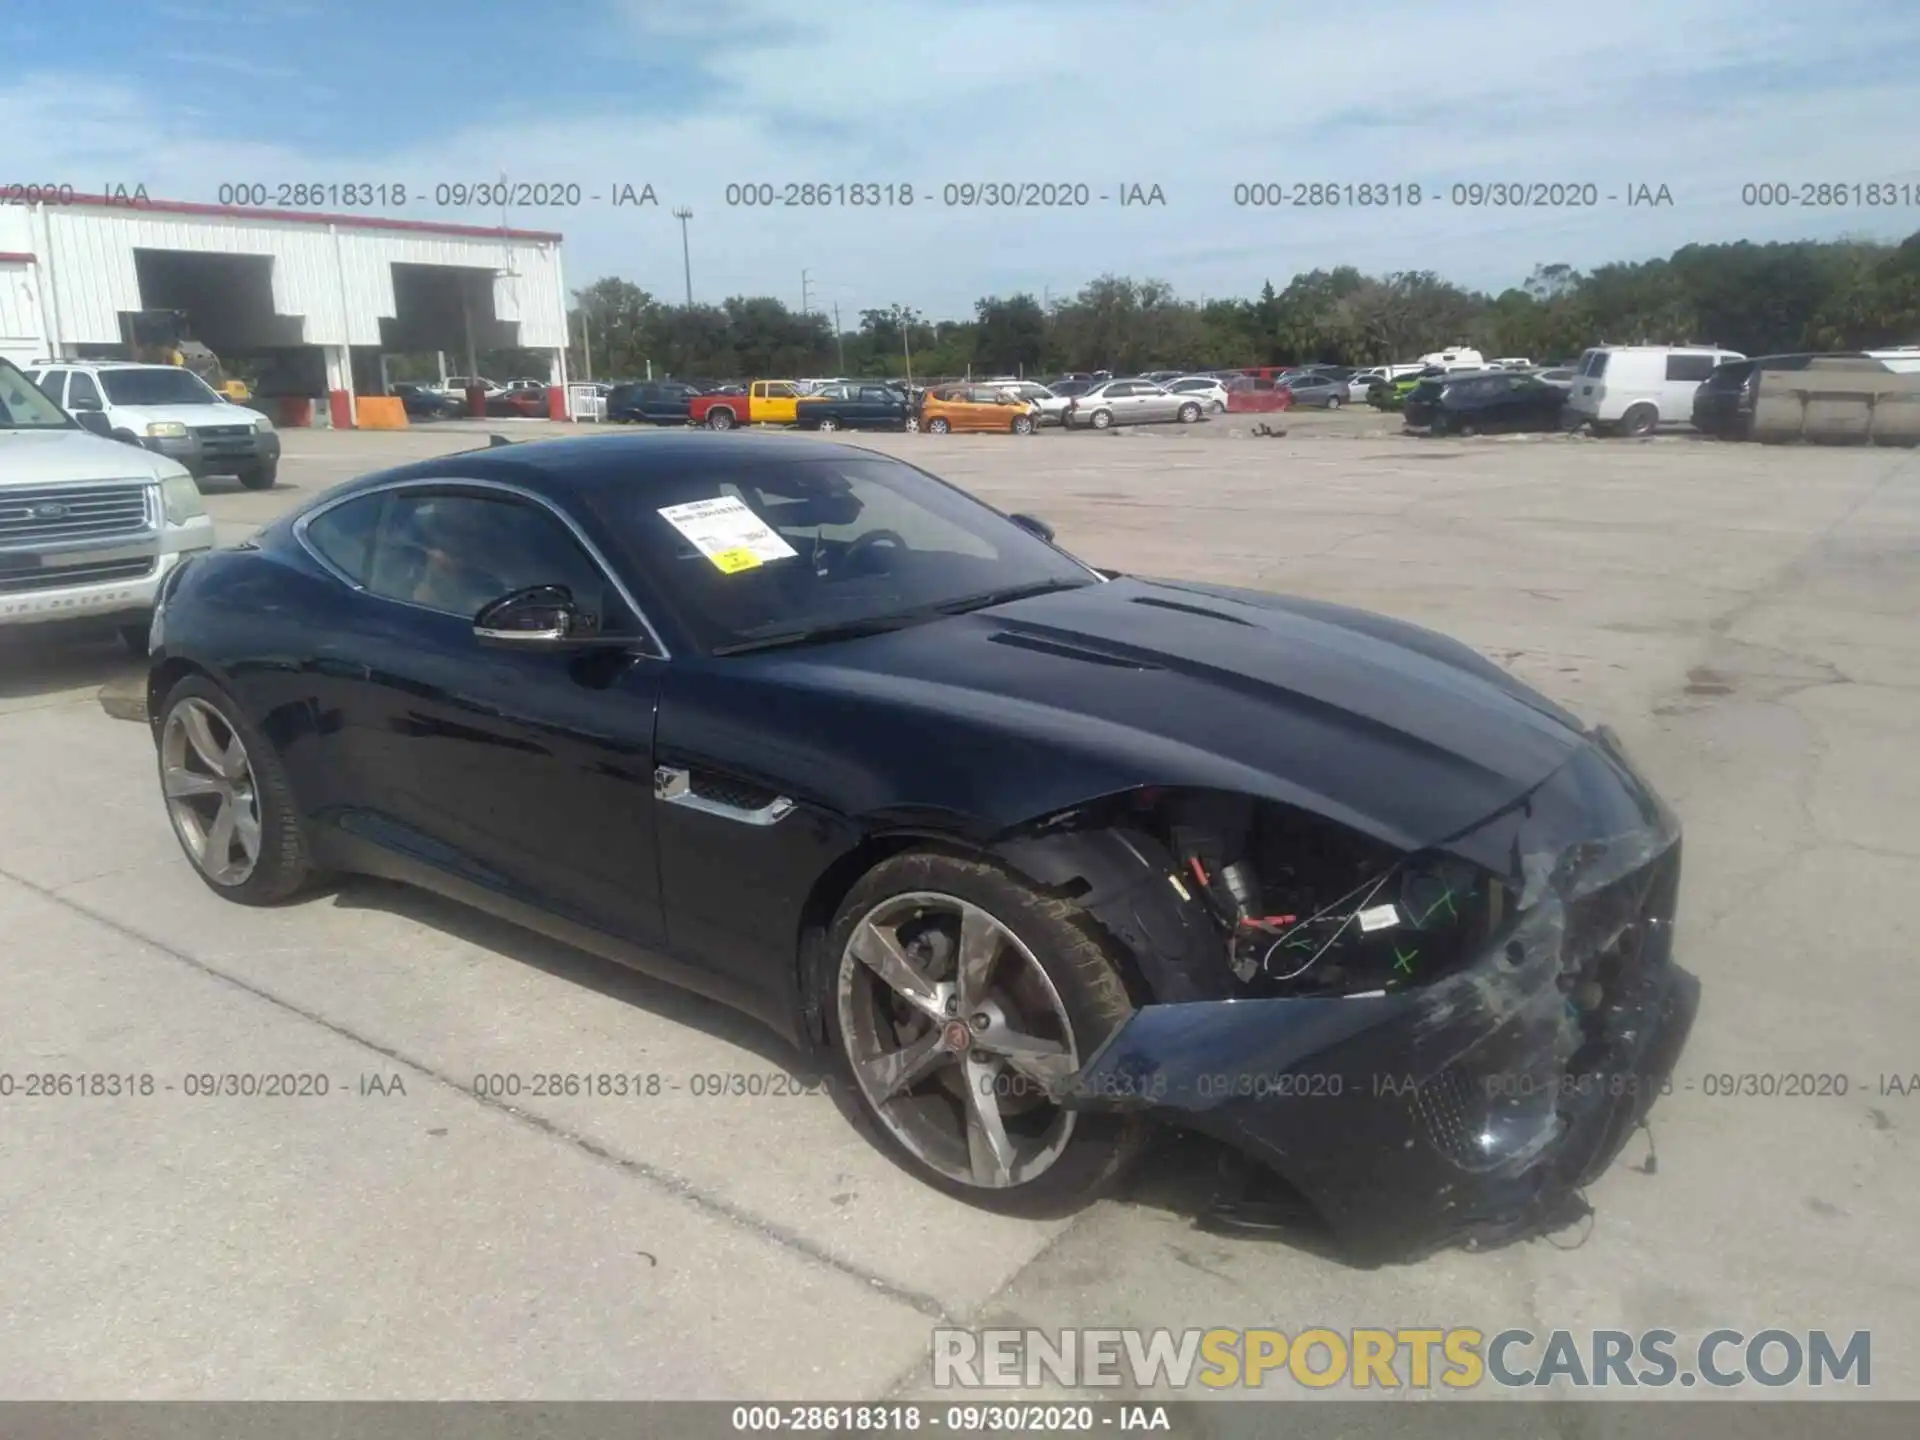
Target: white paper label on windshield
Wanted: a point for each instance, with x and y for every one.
(728, 533)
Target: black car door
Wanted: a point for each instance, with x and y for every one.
(526, 772)
(880, 408)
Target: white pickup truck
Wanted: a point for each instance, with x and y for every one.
(89, 527)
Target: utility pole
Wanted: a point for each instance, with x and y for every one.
(806, 307)
(906, 339)
(684, 214)
(586, 340)
(839, 340)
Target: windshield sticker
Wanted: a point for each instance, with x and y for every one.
(727, 533)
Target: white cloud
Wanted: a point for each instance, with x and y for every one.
(1699, 97)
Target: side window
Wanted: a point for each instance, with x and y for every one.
(876, 395)
(82, 393)
(1690, 367)
(343, 536)
(460, 552)
(51, 384)
(1596, 365)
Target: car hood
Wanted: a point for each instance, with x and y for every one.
(50, 457)
(1391, 729)
(192, 416)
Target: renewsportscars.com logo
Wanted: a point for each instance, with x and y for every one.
(1368, 1359)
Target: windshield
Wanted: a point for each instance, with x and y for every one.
(24, 407)
(852, 541)
(163, 385)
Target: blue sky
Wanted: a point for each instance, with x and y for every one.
(1698, 95)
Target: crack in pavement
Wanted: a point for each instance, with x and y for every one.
(663, 1180)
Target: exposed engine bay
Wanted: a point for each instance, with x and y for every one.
(1308, 909)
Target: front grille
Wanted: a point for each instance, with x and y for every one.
(225, 439)
(223, 432)
(61, 576)
(51, 514)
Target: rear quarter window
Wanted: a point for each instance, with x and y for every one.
(1595, 365)
(343, 535)
(1693, 368)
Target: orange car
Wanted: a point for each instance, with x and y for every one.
(976, 407)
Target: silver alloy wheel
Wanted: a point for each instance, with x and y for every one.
(212, 798)
(955, 1032)
(938, 426)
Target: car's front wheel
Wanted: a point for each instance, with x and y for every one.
(1102, 419)
(1189, 413)
(826, 422)
(938, 426)
(1023, 424)
(962, 1001)
(261, 477)
(228, 797)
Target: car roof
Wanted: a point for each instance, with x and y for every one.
(562, 467)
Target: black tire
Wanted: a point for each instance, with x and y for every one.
(1023, 424)
(1101, 420)
(826, 422)
(1083, 974)
(938, 425)
(1639, 421)
(1189, 413)
(1333, 402)
(720, 418)
(261, 477)
(285, 866)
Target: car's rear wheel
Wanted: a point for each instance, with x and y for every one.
(1023, 424)
(1639, 420)
(1189, 412)
(720, 418)
(1333, 402)
(938, 426)
(228, 797)
(1219, 407)
(1102, 419)
(962, 1000)
(913, 425)
(826, 422)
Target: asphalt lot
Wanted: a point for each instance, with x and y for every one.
(1743, 615)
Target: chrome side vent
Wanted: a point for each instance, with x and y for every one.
(727, 801)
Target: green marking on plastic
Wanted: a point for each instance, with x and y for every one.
(1445, 899)
(1405, 962)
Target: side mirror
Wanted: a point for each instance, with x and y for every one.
(540, 617)
(96, 421)
(1033, 525)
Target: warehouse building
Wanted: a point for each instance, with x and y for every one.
(312, 302)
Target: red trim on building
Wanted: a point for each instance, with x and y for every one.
(306, 217)
(15, 257)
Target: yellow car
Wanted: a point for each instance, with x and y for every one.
(961, 408)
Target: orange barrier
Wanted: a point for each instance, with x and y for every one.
(381, 412)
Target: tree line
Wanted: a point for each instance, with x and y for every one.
(1755, 298)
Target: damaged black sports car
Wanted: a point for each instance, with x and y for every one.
(1040, 854)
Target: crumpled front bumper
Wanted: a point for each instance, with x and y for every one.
(1473, 1109)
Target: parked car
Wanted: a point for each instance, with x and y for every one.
(523, 404)
(1561, 375)
(1255, 395)
(651, 402)
(461, 384)
(1210, 390)
(1049, 404)
(1489, 403)
(89, 526)
(1324, 392)
(1635, 389)
(1130, 402)
(422, 402)
(961, 408)
(856, 405)
(765, 402)
(525, 383)
(840, 673)
(168, 409)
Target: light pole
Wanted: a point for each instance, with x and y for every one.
(907, 318)
(684, 214)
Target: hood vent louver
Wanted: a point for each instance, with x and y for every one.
(1066, 650)
(1160, 604)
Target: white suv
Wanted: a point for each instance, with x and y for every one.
(170, 410)
(88, 526)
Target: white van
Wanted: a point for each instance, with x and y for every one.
(1461, 359)
(1632, 389)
